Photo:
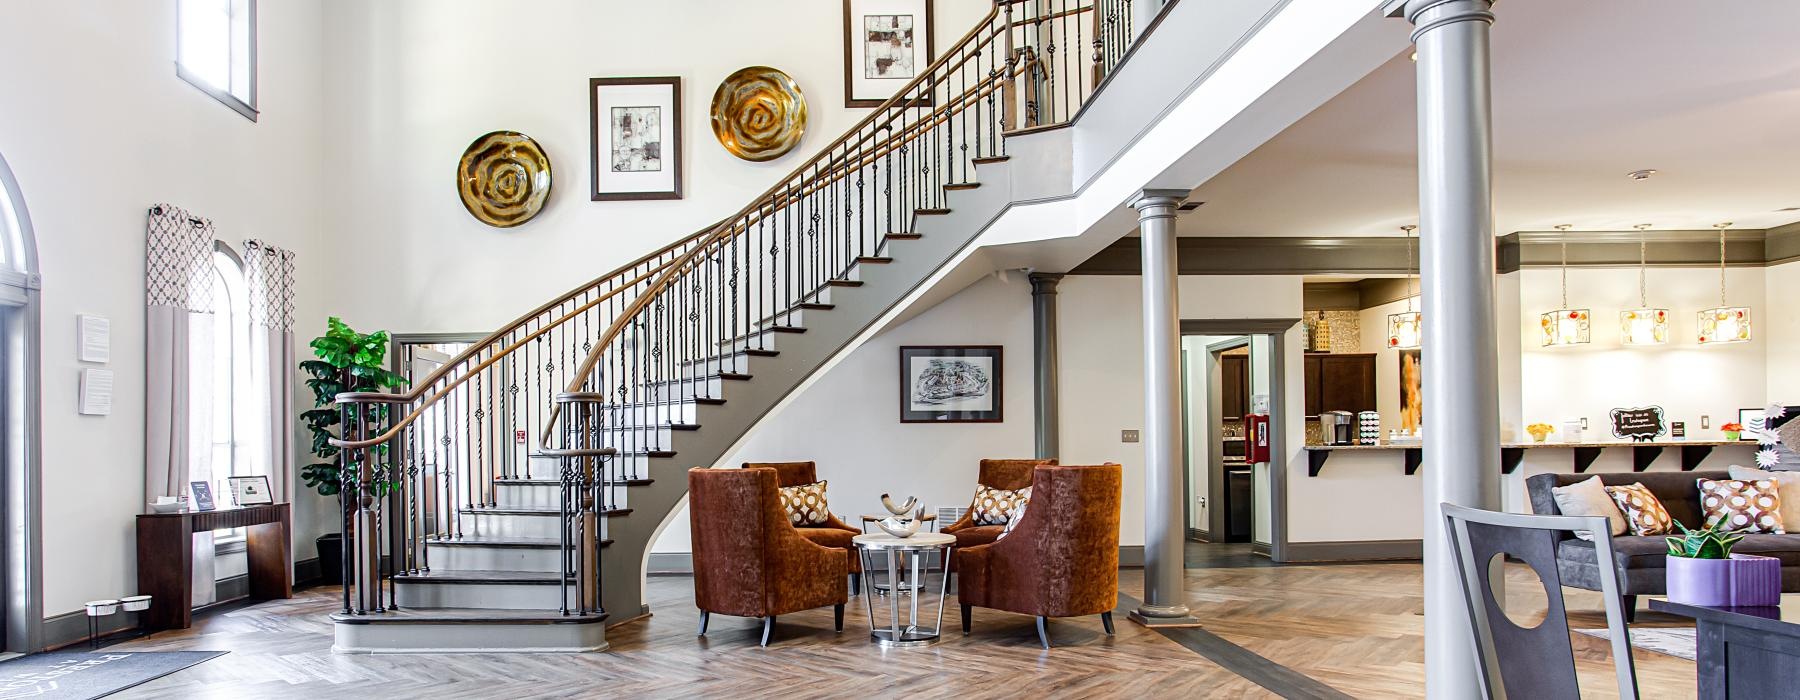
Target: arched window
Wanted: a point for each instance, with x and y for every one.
(235, 417)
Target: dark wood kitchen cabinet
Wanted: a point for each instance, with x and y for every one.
(1234, 386)
(1339, 382)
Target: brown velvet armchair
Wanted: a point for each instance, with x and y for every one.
(748, 560)
(1061, 560)
(1008, 474)
(833, 532)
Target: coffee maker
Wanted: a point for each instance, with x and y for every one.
(1337, 427)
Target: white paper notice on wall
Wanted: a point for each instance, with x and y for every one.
(95, 343)
(96, 392)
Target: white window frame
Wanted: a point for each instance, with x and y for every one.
(241, 58)
(232, 321)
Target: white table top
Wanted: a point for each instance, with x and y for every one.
(923, 540)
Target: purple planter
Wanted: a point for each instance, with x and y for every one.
(1741, 581)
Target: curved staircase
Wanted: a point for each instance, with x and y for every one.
(507, 502)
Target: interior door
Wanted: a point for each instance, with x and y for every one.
(432, 459)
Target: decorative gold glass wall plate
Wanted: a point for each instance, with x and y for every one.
(504, 178)
(758, 113)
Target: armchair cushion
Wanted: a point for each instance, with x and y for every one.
(1017, 516)
(805, 504)
(994, 506)
(977, 535)
(1009, 474)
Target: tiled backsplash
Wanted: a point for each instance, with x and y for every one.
(1333, 331)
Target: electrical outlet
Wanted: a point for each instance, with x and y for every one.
(1584, 423)
(1128, 436)
(1705, 422)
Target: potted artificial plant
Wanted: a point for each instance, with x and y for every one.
(1703, 571)
(347, 361)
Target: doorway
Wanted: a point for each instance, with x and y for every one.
(1231, 371)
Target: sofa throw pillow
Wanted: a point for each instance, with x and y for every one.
(805, 504)
(995, 506)
(1018, 515)
(1742, 505)
(1589, 498)
(1643, 512)
(1787, 486)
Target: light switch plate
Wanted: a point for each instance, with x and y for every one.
(1128, 436)
(1705, 422)
(1584, 423)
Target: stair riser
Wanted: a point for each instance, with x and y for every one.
(481, 558)
(495, 596)
(682, 391)
(625, 465)
(499, 525)
(417, 638)
(543, 496)
(653, 414)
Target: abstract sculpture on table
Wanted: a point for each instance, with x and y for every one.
(901, 509)
(899, 524)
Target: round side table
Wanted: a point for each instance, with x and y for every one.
(919, 547)
(907, 586)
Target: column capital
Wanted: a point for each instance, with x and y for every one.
(1148, 202)
(1427, 15)
(1044, 282)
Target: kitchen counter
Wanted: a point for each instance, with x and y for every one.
(1512, 453)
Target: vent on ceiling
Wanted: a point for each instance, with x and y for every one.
(1190, 206)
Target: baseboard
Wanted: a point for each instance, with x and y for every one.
(1362, 550)
(1131, 556)
(308, 573)
(231, 588)
(1261, 548)
(1195, 534)
(71, 628)
(671, 564)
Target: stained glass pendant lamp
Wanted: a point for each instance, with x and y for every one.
(1644, 325)
(1564, 326)
(1404, 329)
(1724, 324)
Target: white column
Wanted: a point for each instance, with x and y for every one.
(1165, 596)
(1460, 349)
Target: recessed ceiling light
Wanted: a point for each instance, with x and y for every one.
(1641, 174)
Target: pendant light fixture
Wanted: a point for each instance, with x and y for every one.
(1564, 326)
(1644, 325)
(1404, 329)
(1724, 324)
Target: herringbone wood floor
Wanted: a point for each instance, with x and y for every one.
(1354, 627)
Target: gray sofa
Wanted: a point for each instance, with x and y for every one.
(1640, 559)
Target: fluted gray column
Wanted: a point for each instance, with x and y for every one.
(1460, 349)
(1043, 363)
(1165, 596)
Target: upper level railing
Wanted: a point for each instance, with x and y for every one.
(646, 342)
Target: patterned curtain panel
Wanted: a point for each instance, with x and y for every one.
(270, 273)
(178, 285)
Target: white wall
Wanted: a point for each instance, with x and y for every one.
(1777, 322)
(1387, 361)
(97, 128)
(1688, 380)
(413, 82)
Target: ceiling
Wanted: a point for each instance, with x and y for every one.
(1583, 93)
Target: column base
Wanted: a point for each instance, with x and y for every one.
(1158, 616)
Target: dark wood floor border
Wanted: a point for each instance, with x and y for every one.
(1274, 677)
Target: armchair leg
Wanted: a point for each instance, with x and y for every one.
(837, 615)
(1106, 619)
(768, 629)
(704, 618)
(967, 616)
(1043, 631)
(855, 584)
(1630, 604)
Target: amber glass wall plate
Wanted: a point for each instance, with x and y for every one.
(758, 113)
(504, 178)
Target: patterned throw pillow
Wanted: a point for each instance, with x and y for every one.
(1742, 505)
(1643, 512)
(805, 504)
(995, 506)
(1017, 516)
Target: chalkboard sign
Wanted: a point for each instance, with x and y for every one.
(1638, 424)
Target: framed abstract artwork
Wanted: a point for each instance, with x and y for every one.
(887, 43)
(950, 384)
(636, 145)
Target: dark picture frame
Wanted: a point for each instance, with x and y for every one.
(855, 44)
(952, 383)
(609, 183)
(250, 490)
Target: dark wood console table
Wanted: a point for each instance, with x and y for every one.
(165, 557)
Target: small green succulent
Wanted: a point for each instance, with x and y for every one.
(1706, 543)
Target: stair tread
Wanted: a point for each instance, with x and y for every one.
(490, 541)
(469, 616)
(535, 511)
(903, 236)
(962, 185)
(480, 576)
(556, 482)
(984, 160)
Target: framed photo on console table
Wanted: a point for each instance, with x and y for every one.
(250, 490)
(636, 144)
(950, 384)
(887, 43)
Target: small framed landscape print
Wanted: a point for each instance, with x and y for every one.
(887, 43)
(636, 146)
(250, 490)
(950, 384)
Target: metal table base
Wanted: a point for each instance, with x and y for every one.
(917, 548)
